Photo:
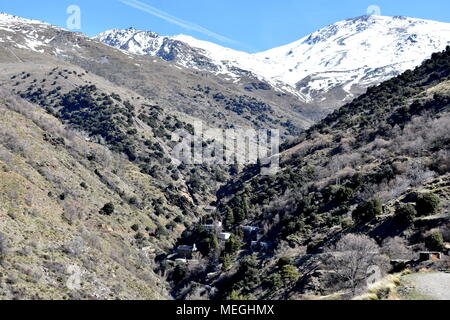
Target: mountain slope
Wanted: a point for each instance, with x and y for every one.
(381, 153)
(184, 90)
(51, 223)
(327, 67)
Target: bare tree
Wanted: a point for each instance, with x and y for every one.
(72, 213)
(351, 262)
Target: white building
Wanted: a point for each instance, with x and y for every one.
(224, 236)
(214, 226)
(186, 251)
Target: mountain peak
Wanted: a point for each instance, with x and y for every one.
(344, 55)
(9, 18)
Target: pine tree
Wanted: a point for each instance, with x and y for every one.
(229, 218)
(226, 263)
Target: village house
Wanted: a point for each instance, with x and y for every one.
(186, 251)
(224, 236)
(213, 226)
(209, 209)
(430, 256)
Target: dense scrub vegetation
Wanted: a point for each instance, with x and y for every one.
(344, 175)
(137, 129)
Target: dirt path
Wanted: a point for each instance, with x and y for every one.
(434, 286)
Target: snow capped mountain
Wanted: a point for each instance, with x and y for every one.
(25, 34)
(37, 36)
(342, 59)
(8, 19)
(355, 52)
(181, 49)
(326, 68)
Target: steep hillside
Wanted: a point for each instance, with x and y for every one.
(53, 190)
(216, 100)
(89, 183)
(378, 166)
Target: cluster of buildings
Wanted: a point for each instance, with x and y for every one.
(252, 234)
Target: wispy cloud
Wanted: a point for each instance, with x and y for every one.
(177, 21)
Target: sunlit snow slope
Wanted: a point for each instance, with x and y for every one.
(347, 56)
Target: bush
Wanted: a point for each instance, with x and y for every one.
(396, 248)
(133, 201)
(234, 296)
(226, 263)
(161, 232)
(72, 213)
(346, 223)
(427, 204)
(283, 261)
(339, 194)
(367, 211)
(179, 274)
(406, 214)
(275, 282)
(108, 209)
(289, 274)
(3, 246)
(179, 219)
(435, 242)
(232, 245)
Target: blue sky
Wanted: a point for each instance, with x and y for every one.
(249, 25)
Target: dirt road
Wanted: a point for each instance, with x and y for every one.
(434, 286)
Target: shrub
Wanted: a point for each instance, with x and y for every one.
(72, 213)
(133, 201)
(275, 282)
(74, 247)
(406, 214)
(289, 274)
(396, 248)
(346, 223)
(234, 296)
(283, 261)
(427, 204)
(3, 246)
(226, 263)
(339, 194)
(179, 274)
(179, 219)
(232, 245)
(161, 232)
(435, 242)
(108, 209)
(367, 211)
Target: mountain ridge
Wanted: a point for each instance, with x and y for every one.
(313, 65)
